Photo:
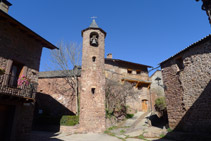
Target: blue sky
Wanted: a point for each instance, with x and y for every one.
(141, 31)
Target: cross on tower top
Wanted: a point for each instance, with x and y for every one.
(94, 24)
(93, 17)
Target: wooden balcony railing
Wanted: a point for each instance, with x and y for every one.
(8, 86)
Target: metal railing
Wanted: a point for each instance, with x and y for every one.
(9, 86)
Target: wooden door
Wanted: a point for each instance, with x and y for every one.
(144, 106)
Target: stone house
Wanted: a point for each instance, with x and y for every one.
(20, 52)
(137, 74)
(187, 78)
(157, 87)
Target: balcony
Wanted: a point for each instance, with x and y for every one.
(8, 87)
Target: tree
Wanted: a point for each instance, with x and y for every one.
(116, 97)
(66, 57)
(206, 6)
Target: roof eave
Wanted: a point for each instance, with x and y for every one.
(94, 29)
(187, 48)
(40, 39)
(129, 62)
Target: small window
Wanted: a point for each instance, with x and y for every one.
(93, 59)
(15, 72)
(180, 64)
(138, 72)
(129, 71)
(93, 90)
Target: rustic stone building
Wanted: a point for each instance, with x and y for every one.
(187, 78)
(137, 74)
(20, 51)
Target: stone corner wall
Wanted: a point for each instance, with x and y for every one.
(59, 93)
(188, 89)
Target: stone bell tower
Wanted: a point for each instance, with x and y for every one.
(92, 97)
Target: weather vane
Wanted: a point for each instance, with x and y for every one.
(93, 17)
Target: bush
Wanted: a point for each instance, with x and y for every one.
(129, 116)
(69, 120)
(160, 104)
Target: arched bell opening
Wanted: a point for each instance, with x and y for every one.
(94, 39)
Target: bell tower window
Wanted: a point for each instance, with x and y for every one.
(94, 39)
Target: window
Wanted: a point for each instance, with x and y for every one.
(93, 59)
(15, 72)
(129, 71)
(138, 72)
(179, 62)
(93, 90)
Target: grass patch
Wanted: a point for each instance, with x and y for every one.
(122, 131)
(112, 128)
(69, 120)
(162, 135)
(142, 137)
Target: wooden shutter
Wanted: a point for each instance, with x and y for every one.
(7, 71)
(25, 69)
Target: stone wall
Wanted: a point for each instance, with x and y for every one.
(188, 88)
(60, 91)
(17, 46)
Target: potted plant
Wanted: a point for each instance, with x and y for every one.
(23, 81)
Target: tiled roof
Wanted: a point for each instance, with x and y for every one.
(59, 74)
(122, 61)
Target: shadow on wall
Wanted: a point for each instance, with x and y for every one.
(47, 113)
(196, 123)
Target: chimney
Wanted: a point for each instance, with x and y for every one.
(4, 5)
(109, 55)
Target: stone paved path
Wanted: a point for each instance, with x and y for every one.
(135, 129)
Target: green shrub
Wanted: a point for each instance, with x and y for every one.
(169, 130)
(129, 116)
(69, 120)
(109, 114)
(160, 104)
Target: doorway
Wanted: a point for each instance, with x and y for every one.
(144, 105)
(6, 121)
